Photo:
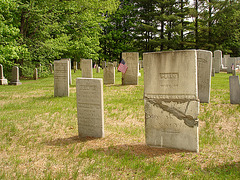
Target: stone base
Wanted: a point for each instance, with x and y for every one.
(172, 124)
(15, 83)
(3, 82)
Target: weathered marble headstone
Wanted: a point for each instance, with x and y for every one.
(171, 99)
(204, 62)
(70, 72)
(217, 60)
(35, 74)
(104, 64)
(3, 81)
(15, 76)
(131, 76)
(87, 68)
(109, 74)
(234, 89)
(90, 109)
(61, 78)
(231, 61)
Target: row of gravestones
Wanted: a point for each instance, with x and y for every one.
(225, 63)
(174, 83)
(228, 64)
(15, 75)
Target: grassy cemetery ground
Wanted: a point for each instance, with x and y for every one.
(39, 136)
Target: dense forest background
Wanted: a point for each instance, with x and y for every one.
(34, 32)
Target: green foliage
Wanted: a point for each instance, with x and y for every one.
(38, 32)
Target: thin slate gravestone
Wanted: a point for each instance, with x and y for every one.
(109, 74)
(15, 76)
(131, 76)
(87, 68)
(35, 74)
(217, 60)
(61, 78)
(234, 89)
(3, 81)
(171, 99)
(204, 62)
(90, 107)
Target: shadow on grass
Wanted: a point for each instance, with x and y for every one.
(70, 140)
(225, 170)
(142, 150)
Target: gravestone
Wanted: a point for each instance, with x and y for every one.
(234, 89)
(61, 78)
(230, 62)
(204, 62)
(50, 68)
(104, 64)
(217, 60)
(97, 69)
(171, 99)
(131, 76)
(213, 72)
(90, 109)
(15, 76)
(141, 62)
(3, 81)
(70, 72)
(87, 68)
(109, 74)
(35, 74)
(74, 66)
(115, 63)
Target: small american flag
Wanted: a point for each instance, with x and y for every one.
(122, 67)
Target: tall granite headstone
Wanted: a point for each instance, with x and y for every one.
(61, 78)
(15, 76)
(3, 81)
(87, 68)
(131, 76)
(204, 62)
(171, 99)
(234, 89)
(90, 111)
(109, 74)
(217, 60)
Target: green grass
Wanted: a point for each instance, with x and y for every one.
(39, 136)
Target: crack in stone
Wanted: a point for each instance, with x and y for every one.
(188, 120)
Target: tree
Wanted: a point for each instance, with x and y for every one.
(118, 32)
